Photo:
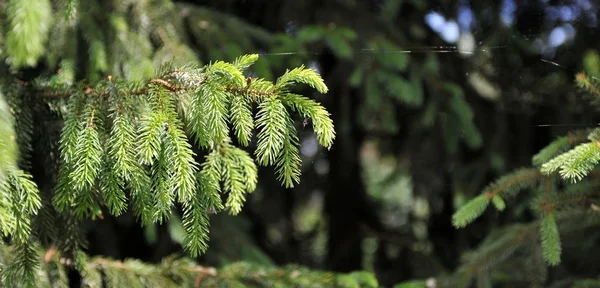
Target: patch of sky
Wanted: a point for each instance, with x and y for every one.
(566, 14)
(557, 37)
(447, 29)
(507, 12)
(436, 21)
(450, 32)
(465, 18)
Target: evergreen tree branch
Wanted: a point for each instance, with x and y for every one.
(576, 163)
(28, 25)
(240, 113)
(550, 240)
(301, 75)
(289, 161)
(584, 82)
(180, 272)
(505, 186)
(24, 266)
(271, 121)
(559, 146)
(123, 142)
(308, 108)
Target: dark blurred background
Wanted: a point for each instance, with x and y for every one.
(431, 100)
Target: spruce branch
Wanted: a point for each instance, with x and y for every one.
(576, 163)
(162, 188)
(584, 82)
(121, 143)
(505, 186)
(470, 211)
(47, 268)
(498, 203)
(196, 223)
(7, 217)
(550, 240)
(150, 134)
(559, 146)
(240, 113)
(184, 167)
(210, 180)
(245, 61)
(28, 25)
(8, 145)
(578, 194)
(240, 176)
(88, 155)
(289, 161)
(113, 193)
(72, 126)
(247, 167)
(141, 195)
(308, 108)
(209, 110)
(125, 143)
(300, 75)
(233, 182)
(24, 267)
(21, 111)
(256, 89)
(271, 121)
(510, 184)
(496, 249)
(26, 202)
(226, 73)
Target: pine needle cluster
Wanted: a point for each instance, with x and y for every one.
(176, 141)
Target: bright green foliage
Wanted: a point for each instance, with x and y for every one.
(240, 113)
(29, 22)
(25, 203)
(239, 176)
(117, 142)
(470, 211)
(575, 163)
(308, 108)
(19, 201)
(300, 75)
(8, 145)
(498, 203)
(19, 195)
(125, 144)
(559, 146)
(272, 118)
(288, 163)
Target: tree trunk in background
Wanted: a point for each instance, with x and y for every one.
(345, 199)
(430, 181)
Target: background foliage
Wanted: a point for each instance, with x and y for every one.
(428, 132)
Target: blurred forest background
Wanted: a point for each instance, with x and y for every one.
(431, 100)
